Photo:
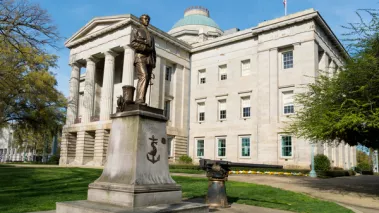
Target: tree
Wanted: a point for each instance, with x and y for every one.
(362, 157)
(23, 23)
(345, 107)
(28, 94)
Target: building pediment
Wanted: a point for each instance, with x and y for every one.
(96, 27)
(102, 25)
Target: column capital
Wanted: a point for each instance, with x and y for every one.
(92, 59)
(128, 48)
(110, 53)
(75, 64)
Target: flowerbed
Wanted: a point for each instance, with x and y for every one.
(268, 173)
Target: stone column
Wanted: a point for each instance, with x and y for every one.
(107, 90)
(162, 83)
(128, 69)
(73, 101)
(89, 90)
(324, 64)
(332, 68)
(101, 145)
(156, 90)
(79, 152)
(63, 160)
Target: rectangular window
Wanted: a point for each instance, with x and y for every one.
(202, 76)
(222, 109)
(223, 72)
(168, 73)
(221, 147)
(288, 103)
(200, 147)
(169, 146)
(201, 111)
(286, 142)
(245, 67)
(245, 146)
(245, 104)
(288, 59)
(167, 109)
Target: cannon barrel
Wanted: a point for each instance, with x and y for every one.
(249, 165)
(207, 164)
(217, 173)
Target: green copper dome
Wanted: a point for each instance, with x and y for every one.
(196, 20)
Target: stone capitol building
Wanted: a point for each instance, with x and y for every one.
(226, 93)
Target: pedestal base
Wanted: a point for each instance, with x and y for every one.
(216, 196)
(84, 206)
(134, 195)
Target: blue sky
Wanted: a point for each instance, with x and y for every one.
(71, 15)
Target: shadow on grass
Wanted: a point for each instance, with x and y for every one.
(232, 200)
(363, 185)
(5, 165)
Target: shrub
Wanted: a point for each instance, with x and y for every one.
(185, 166)
(352, 172)
(322, 163)
(363, 166)
(54, 159)
(367, 173)
(336, 173)
(337, 168)
(185, 159)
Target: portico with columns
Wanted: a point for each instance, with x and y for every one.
(102, 62)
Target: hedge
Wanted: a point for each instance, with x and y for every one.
(367, 172)
(335, 173)
(197, 167)
(185, 166)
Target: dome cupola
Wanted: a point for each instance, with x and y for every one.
(196, 26)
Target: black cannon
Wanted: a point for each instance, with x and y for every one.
(217, 173)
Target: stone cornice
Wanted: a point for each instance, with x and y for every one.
(222, 40)
(272, 25)
(332, 36)
(185, 32)
(122, 21)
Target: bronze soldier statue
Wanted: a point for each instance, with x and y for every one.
(145, 57)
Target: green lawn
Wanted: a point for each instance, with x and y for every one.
(36, 189)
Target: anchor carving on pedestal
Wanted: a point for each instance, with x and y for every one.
(153, 152)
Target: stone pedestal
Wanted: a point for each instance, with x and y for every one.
(136, 173)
